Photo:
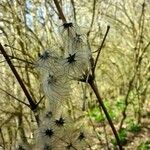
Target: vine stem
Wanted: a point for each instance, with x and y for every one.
(100, 48)
(61, 14)
(32, 105)
(101, 104)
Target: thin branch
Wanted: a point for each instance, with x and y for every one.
(100, 48)
(126, 101)
(13, 57)
(33, 105)
(7, 120)
(61, 14)
(2, 137)
(36, 36)
(105, 133)
(6, 45)
(93, 17)
(74, 10)
(15, 97)
(101, 104)
(144, 50)
(94, 129)
(31, 102)
(40, 100)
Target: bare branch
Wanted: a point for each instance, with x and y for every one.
(31, 102)
(61, 14)
(101, 104)
(15, 97)
(100, 48)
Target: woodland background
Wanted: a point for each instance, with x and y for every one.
(123, 72)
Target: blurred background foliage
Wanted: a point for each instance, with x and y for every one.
(28, 27)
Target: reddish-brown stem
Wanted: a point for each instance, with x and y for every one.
(101, 104)
(100, 48)
(61, 14)
(33, 105)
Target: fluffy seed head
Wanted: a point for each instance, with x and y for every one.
(56, 86)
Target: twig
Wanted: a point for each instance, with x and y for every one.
(100, 48)
(101, 104)
(94, 129)
(40, 100)
(7, 120)
(13, 57)
(15, 97)
(104, 128)
(6, 45)
(2, 137)
(74, 10)
(126, 101)
(61, 14)
(33, 105)
(93, 17)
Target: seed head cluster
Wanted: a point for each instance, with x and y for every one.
(57, 129)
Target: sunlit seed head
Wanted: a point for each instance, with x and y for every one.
(50, 111)
(60, 122)
(67, 32)
(71, 58)
(79, 43)
(45, 135)
(49, 114)
(68, 25)
(49, 133)
(78, 37)
(44, 56)
(47, 60)
(51, 79)
(55, 86)
(81, 136)
(76, 64)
